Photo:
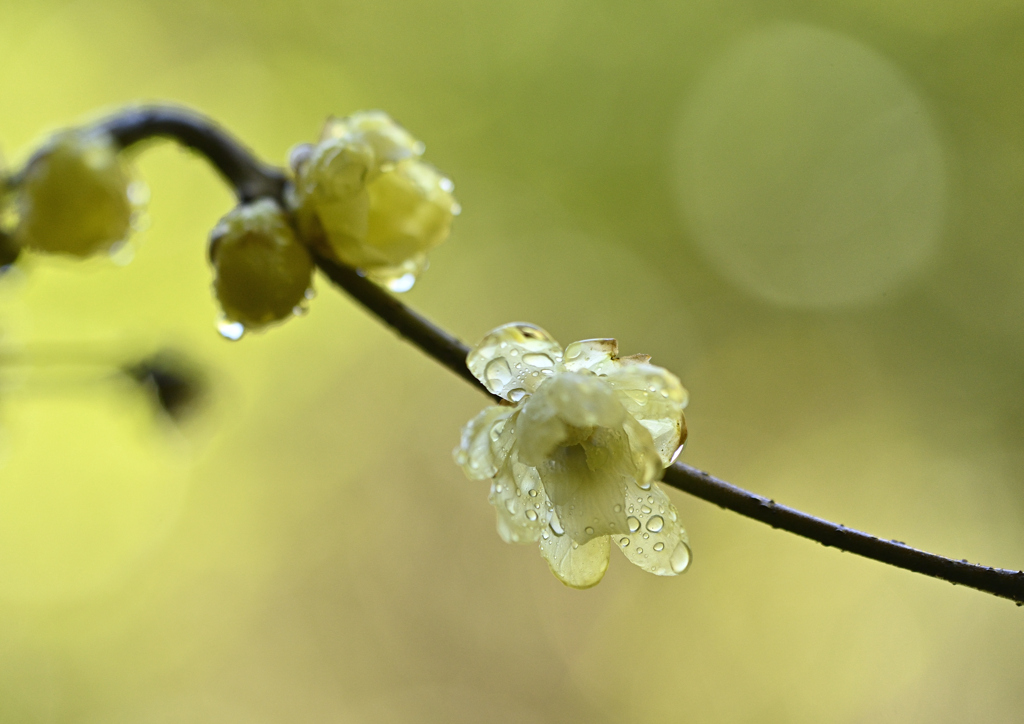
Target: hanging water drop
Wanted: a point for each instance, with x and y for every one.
(231, 330)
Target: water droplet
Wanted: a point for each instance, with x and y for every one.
(122, 253)
(656, 523)
(138, 193)
(517, 394)
(617, 508)
(498, 488)
(497, 373)
(646, 536)
(645, 484)
(446, 185)
(645, 510)
(298, 310)
(624, 541)
(402, 284)
(231, 330)
(659, 546)
(633, 523)
(589, 530)
(532, 515)
(538, 360)
(533, 493)
(510, 505)
(650, 498)
(637, 396)
(310, 294)
(639, 550)
(456, 209)
(575, 545)
(556, 527)
(419, 148)
(680, 558)
(514, 352)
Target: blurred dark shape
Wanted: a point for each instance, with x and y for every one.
(9, 251)
(176, 385)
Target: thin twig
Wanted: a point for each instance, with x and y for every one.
(253, 179)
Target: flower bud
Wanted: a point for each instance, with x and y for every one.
(364, 197)
(262, 270)
(74, 197)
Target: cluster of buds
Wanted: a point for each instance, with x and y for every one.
(362, 196)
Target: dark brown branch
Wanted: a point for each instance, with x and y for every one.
(249, 177)
(252, 179)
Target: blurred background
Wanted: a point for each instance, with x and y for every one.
(812, 212)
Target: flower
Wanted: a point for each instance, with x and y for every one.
(263, 273)
(363, 196)
(574, 458)
(76, 197)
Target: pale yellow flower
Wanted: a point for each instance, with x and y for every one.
(574, 459)
(363, 196)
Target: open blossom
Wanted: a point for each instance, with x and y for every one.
(363, 196)
(574, 458)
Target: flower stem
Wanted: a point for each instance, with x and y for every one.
(253, 179)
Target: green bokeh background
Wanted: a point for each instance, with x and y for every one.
(307, 551)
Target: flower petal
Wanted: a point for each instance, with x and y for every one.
(656, 542)
(512, 360)
(656, 398)
(579, 565)
(590, 354)
(485, 443)
(390, 142)
(521, 505)
(567, 401)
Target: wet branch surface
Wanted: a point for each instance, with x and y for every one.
(253, 179)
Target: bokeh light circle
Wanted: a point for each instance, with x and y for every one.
(809, 170)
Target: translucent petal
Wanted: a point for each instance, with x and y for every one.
(656, 398)
(580, 565)
(513, 360)
(567, 401)
(485, 442)
(590, 353)
(587, 484)
(656, 542)
(390, 142)
(409, 213)
(522, 508)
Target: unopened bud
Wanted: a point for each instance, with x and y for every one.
(262, 270)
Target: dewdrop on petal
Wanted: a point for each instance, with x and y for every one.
(363, 196)
(262, 272)
(573, 461)
(75, 197)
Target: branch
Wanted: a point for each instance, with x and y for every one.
(252, 179)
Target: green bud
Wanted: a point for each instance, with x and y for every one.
(74, 197)
(262, 270)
